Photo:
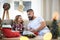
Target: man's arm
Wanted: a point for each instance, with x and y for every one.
(43, 24)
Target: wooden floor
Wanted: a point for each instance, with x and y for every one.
(52, 39)
(16, 39)
(32, 39)
(19, 39)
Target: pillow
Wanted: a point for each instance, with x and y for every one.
(9, 34)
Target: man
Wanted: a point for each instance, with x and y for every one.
(37, 24)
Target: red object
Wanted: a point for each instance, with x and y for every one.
(9, 34)
(0, 28)
(36, 33)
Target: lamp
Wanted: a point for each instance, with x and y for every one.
(21, 6)
(6, 7)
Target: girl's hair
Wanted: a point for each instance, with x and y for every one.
(16, 19)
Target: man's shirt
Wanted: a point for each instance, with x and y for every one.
(34, 24)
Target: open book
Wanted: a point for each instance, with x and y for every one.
(29, 34)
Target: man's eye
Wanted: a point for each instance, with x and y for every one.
(28, 14)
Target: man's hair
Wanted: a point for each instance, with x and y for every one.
(29, 10)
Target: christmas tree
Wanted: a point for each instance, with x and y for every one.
(54, 29)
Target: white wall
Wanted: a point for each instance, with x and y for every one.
(36, 6)
(49, 7)
(44, 8)
(55, 8)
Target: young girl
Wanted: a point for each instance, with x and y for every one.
(18, 24)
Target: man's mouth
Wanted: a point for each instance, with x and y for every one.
(30, 18)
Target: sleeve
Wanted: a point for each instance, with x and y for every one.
(28, 27)
(40, 19)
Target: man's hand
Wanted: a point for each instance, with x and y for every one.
(33, 30)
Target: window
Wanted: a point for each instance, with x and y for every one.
(27, 5)
(16, 4)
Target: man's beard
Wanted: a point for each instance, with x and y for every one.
(30, 18)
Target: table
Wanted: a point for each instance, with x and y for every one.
(18, 38)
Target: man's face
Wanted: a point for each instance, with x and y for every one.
(30, 15)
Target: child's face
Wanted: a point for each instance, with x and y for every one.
(20, 19)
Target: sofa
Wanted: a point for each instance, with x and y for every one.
(48, 23)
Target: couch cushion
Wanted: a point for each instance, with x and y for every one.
(9, 34)
(7, 22)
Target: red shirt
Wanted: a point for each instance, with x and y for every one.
(18, 27)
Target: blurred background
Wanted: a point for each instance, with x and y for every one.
(44, 8)
(48, 9)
